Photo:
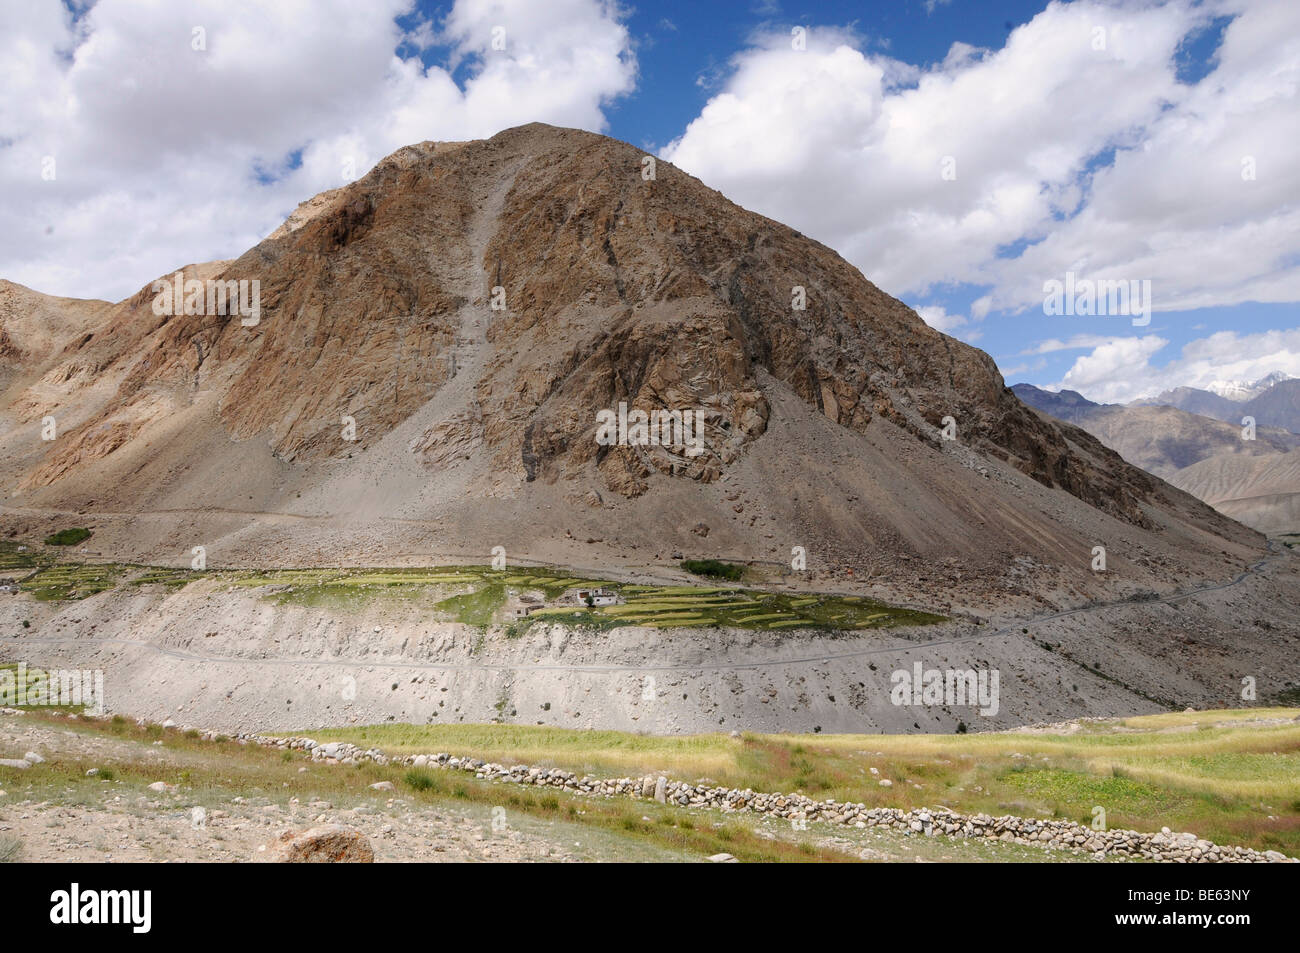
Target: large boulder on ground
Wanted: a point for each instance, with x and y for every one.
(326, 844)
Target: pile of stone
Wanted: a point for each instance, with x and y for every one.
(326, 844)
(1052, 834)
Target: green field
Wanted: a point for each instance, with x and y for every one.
(1230, 776)
(65, 581)
(477, 595)
(20, 558)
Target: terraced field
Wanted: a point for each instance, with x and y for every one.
(16, 557)
(71, 581)
(478, 595)
(475, 595)
(686, 606)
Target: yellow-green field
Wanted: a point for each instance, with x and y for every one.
(477, 595)
(1230, 776)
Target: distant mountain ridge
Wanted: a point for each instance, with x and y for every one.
(1194, 439)
(1194, 400)
(1242, 391)
(1274, 401)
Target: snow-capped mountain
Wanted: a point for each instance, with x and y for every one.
(1241, 391)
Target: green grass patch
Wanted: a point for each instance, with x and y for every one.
(68, 537)
(714, 569)
(476, 608)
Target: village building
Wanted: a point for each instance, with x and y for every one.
(590, 596)
(519, 605)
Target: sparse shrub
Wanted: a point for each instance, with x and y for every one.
(714, 569)
(106, 774)
(961, 728)
(11, 849)
(419, 780)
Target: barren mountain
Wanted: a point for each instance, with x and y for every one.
(469, 309)
(34, 326)
(1254, 481)
(1274, 401)
(1278, 406)
(1260, 491)
(1195, 400)
(1160, 439)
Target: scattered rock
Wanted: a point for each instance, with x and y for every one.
(1053, 834)
(326, 844)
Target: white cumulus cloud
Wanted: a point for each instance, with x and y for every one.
(1073, 147)
(1120, 370)
(143, 134)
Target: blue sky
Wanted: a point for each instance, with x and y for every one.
(961, 153)
(684, 45)
(684, 52)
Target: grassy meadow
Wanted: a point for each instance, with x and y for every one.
(1230, 776)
